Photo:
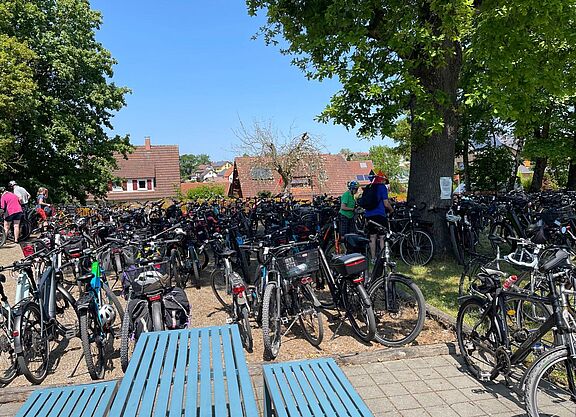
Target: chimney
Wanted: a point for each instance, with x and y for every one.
(147, 145)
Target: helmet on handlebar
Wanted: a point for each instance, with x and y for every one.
(107, 315)
(353, 185)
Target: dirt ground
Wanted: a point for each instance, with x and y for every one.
(69, 366)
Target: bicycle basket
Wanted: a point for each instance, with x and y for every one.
(303, 263)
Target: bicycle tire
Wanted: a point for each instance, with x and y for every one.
(315, 317)
(456, 249)
(203, 258)
(30, 344)
(127, 341)
(113, 299)
(465, 334)
(157, 319)
(422, 246)
(244, 328)
(8, 358)
(357, 311)
(403, 322)
(271, 325)
(89, 329)
(219, 286)
(2, 236)
(176, 275)
(25, 230)
(544, 367)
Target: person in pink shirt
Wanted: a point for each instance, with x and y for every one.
(10, 203)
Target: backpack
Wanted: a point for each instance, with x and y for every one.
(369, 198)
(176, 309)
(138, 312)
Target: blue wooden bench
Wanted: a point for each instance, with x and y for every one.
(311, 388)
(192, 372)
(74, 401)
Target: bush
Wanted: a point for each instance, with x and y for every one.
(205, 192)
(491, 168)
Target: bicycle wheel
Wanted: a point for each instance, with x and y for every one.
(416, 248)
(271, 325)
(551, 385)
(33, 362)
(310, 318)
(505, 231)
(399, 309)
(92, 342)
(477, 338)
(127, 341)
(157, 316)
(2, 236)
(221, 287)
(116, 327)
(456, 248)
(8, 364)
(244, 327)
(360, 314)
(24, 230)
(176, 269)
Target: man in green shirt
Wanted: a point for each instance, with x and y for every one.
(347, 205)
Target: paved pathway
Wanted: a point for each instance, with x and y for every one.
(425, 386)
(432, 386)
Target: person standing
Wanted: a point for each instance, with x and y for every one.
(21, 193)
(378, 214)
(347, 206)
(42, 206)
(10, 203)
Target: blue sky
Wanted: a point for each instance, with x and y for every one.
(195, 73)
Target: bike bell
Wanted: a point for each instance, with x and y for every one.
(107, 315)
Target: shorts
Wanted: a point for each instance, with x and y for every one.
(14, 216)
(372, 229)
(41, 212)
(346, 225)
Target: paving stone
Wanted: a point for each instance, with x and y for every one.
(406, 375)
(404, 402)
(414, 413)
(442, 411)
(429, 399)
(418, 363)
(464, 381)
(416, 387)
(371, 391)
(439, 384)
(427, 373)
(396, 366)
(449, 371)
(361, 381)
(9, 409)
(388, 414)
(375, 368)
(384, 378)
(353, 370)
(380, 405)
(439, 361)
(479, 393)
(453, 397)
(492, 406)
(467, 410)
(392, 390)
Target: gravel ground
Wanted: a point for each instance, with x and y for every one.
(69, 367)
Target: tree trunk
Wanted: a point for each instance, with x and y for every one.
(466, 161)
(432, 157)
(538, 177)
(571, 185)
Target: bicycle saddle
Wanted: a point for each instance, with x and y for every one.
(228, 253)
(493, 272)
(496, 239)
(355, 240)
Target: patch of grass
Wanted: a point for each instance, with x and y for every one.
(438, 281)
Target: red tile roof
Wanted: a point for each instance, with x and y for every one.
(160, 162)
(337, 173)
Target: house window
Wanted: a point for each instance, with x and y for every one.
(261, 173)
(300, 182)
(142, 185)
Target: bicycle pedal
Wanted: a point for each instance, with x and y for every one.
(70, 333)
(484, 377)
(284, 320)
(230, 320)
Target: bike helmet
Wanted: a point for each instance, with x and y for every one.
(353, 185)
(107, 315)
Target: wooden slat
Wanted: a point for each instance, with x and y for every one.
(45, 402)
(205, 374)
(323, 401)
(218, 373)
(165, 384)
(105, 400)
(308, 390)
(350, 391)
(78, 409)
(153, 379)
(97, 392)
(286, 390)
(192, 377)
(234, 400)
(135, 396)
(335, 400)
(297, 391)
(66, 409)
(65, 395)
(339, 389)
(177, 400)
(34, 399)
(272, 389)
(250, 407)
(125, 386)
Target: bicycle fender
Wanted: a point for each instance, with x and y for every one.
(364, 297)
(84, 302)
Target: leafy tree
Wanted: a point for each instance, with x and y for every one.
(395, 56)
(205, 192)
(346, 153)
(387, 160)
(190, 162)
(56, 98)
(491, 168)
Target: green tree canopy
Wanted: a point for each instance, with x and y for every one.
(190, 162)
(56, 98)
(387, 160)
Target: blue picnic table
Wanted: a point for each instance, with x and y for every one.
(192, 372)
